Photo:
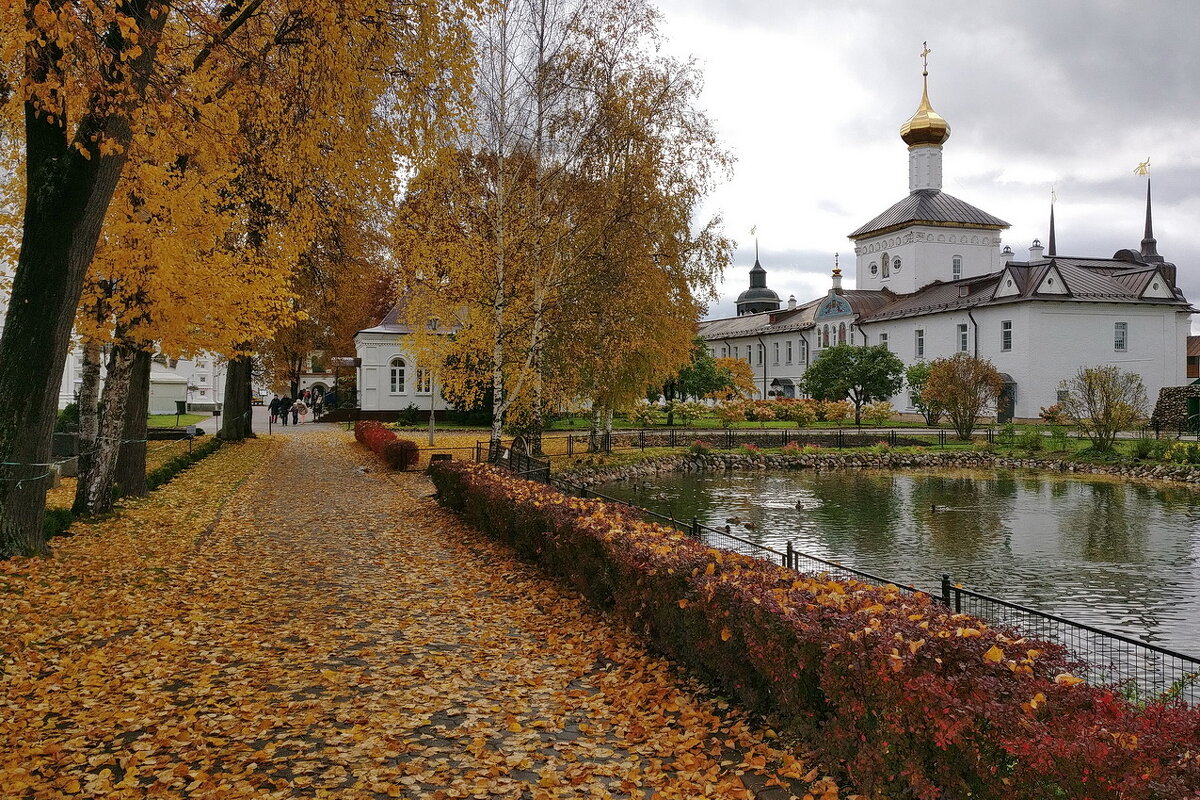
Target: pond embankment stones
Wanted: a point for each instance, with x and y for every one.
(586, 475)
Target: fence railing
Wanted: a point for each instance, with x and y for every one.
(1139, 669)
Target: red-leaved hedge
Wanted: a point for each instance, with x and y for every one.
(397, 453)
(911, 699)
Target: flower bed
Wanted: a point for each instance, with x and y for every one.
(911, 699)
(397, 453)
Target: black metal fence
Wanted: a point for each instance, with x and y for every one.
(1139, 669)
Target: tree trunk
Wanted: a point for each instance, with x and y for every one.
(99, 489)
(67, 195)
(131, 461)
(595, 429)
(235, 415)
(89, 421)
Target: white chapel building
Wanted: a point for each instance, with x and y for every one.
(934, 279)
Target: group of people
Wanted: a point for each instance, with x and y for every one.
(295, 407)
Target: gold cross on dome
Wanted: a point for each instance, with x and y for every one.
(925, 51)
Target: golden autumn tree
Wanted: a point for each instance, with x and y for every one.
(587, 163)
(77, 80)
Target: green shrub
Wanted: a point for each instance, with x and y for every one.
(68, 417)
(1007, 436)
(1031, 439)
(408, 416)
(57, 521)
(700, 448)
(1058, 441)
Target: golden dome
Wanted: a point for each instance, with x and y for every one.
(926, 127)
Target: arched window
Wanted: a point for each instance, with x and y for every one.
(397, 371)
(956, 272)
(886, 265)
(825, 336)
(842, 333)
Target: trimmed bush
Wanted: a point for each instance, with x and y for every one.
(911, 699)
(397, 453)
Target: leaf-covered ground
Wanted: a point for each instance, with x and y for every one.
(157, 453)
(279, 623)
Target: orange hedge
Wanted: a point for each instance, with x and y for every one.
(397, 453)
(911, 699)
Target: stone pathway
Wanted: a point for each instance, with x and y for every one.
(331, 632)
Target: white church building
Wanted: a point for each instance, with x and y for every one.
(934, 279)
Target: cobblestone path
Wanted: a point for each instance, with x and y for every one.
(281, 622)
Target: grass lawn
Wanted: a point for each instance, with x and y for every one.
(168, 420)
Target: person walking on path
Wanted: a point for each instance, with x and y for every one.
(273, 407)
(285, 405)
(296, 411)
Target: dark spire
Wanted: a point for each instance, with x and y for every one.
(1149, 243)
(1050, 249)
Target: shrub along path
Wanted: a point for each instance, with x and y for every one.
(278, 623)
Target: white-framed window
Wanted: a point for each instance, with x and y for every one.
(919, 343)
(724, 351)
(913, 399)
(956, 267)
(1006, 334)
(842, 333)
(883, 341)
(776, 352)
(424, 381)
(896, 265)
(804, 351)
(1120, 336)
(962, 338)
(735, 351)
(762, 354)
(397, 375)
(887, 265)
(789, 351)
(874, 269)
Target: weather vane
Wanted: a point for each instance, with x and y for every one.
(1143, 168)
(925, 51)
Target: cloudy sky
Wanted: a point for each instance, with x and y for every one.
(1039, 93)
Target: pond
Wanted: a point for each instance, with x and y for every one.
(1120, 555)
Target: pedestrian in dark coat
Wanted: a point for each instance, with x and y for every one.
(273, 406)
(285, 405)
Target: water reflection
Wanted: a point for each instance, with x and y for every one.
(1125, 556)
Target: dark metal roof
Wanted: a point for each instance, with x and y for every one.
(756, 293)
(1086, 280)
(394, 322)
(932, 207)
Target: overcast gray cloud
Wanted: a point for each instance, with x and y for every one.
(1072, 94)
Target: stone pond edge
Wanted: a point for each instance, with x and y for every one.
(727, 462)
